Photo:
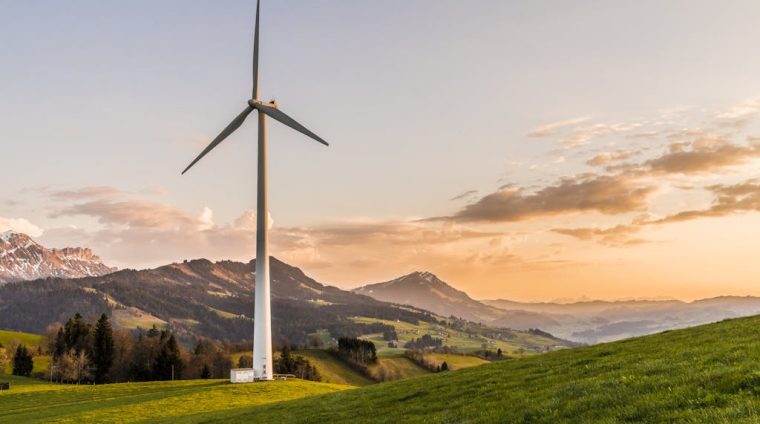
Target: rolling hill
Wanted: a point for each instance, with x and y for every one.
(9, 339)
(215, 300)
(33, 401)
(702, 374)
(598, 321)
(195, 298)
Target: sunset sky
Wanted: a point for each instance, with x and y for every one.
(529, 150)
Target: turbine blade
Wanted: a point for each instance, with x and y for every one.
(235, 124)
(287, 120)
(256, 54)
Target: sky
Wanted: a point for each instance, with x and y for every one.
(530, 150)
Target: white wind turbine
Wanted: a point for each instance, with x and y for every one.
(262, 331)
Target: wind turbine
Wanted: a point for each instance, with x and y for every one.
(262, 330)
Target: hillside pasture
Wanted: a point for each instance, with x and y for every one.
(706, 374)
(33, 401)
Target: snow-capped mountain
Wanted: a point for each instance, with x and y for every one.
(21, 258)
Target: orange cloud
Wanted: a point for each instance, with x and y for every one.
(585, 193)
(706, 154)
(619, 235)
(604, 159)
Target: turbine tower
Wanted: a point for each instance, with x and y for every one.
(262, 331)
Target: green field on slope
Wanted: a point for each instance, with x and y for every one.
(522, 343)
(709, 374)
(333, 370)
(32, 341)
(32, 401)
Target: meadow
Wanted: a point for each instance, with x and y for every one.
(32, 341)
(522, 344)
(33, 401)
(709, 373)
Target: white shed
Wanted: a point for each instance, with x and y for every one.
(241, 375)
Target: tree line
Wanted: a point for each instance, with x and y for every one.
(424, 342)
(418, 357)
(287, 363)
(84, 352)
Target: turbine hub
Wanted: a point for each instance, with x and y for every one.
(254, 103)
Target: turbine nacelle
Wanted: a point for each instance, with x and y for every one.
(255, 103)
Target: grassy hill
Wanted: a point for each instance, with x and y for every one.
(333, 370)
(518, 343)
(33, 401)
(32, 341)
(704, 374)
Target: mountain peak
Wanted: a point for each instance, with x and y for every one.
(12, 236)
(418, 288)
(21, 258)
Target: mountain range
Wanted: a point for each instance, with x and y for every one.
(21, 258)
(215, 300)
(592, 321)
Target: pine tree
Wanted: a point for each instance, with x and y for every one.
(245, 361)
(22, 362)
(153, 332)
(103, 353)
(169, 360)
(75, 333)
(205, 372)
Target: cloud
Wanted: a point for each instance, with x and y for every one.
(393, 233)
(740, 115)
(136, 232)
(467, 195)
(86, 193)
(619, 235)
(155, 189)
(727, 200)
(583, 135)
(134, 214)
(604, 159)
(705, 154)
(247, 220)
(206, 219)
(585, 193)
(551, 128)
(20, 225)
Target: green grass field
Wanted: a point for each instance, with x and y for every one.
(705, 374)
(131, 318)
(523, 344)
(32, 401)
(456, 362)
(32, 341)
(390, 368)
(333, 370)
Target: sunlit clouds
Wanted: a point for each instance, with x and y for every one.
(616, 214)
